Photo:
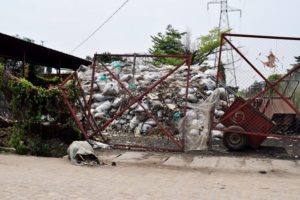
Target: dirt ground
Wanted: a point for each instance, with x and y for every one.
(24, 177)
(270, 148)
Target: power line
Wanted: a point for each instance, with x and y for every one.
(99, 27)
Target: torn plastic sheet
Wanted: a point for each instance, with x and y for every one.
(82, 153)
(195, 126)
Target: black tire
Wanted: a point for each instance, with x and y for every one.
(235, 141)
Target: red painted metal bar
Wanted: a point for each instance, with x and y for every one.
(262, 36)
(83, 105)
(144, 55)
(74, 115)
(68, 78)
(142, 95)
(91, 89)
(260, 134)
(260, 93)
(262, 76)
(74, 75)
(89, 111)
(140, 104)
(219, 59)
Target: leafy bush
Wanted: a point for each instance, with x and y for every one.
(31, 106)
(17, 141)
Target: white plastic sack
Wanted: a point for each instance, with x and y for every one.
(195, 126)
(134, 122)
(104, 107)
(110, 89)
(100, 97)
(82, 153)
(211, 72)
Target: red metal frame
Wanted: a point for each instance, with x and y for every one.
(268, 86)
(90, 119)
(135, 99)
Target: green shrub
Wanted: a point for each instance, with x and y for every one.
(31, 106)
(17, 141)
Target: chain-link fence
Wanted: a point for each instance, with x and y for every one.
(134, 102)
(262, 83)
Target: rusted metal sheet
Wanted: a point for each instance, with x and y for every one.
(271, 106)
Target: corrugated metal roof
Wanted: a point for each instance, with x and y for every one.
(15, 48)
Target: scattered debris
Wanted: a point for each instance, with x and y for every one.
(272, 60)
(263, 172)
(97, 145)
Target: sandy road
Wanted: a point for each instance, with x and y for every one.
(53, 178)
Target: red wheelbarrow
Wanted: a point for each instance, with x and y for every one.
(245, 126)
(251, 124)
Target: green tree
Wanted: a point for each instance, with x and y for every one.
(168, 43)
(208, 45)
(273, 78)
(175, 42)
(297, 59)
(90, 58)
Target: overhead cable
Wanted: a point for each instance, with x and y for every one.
(99, 27)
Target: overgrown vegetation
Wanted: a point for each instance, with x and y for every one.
(273, 78)
(32, 107)
(37, 80)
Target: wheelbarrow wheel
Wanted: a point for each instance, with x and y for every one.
(235, 141)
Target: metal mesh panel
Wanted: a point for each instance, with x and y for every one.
(134, 103)
(263, 92)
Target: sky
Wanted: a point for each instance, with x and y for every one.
(63, 24)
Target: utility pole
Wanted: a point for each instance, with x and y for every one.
(224, 26)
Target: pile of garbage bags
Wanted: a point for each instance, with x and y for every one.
(166, 103)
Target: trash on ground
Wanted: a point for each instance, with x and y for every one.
(82, 153)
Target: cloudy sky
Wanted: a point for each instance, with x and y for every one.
(63, 24)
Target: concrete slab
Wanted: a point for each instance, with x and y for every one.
(178, 161)
(141, 158)
(154, 159)
(256, 165)
(107, 155)
(205, 162)
(199, 162)
(130, 157)
(232, 163)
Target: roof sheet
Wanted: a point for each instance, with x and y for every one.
(15, 48)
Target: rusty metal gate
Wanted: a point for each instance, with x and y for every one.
(262, 88)
(130, 102)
